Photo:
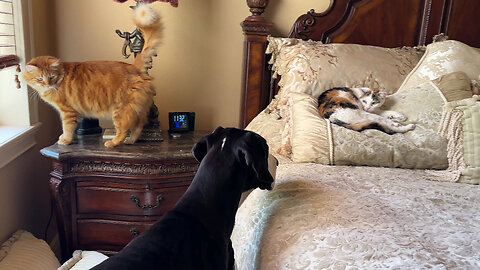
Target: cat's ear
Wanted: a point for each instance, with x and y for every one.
(56, 63)
(359, 91)
(31, 68)
(382, 93)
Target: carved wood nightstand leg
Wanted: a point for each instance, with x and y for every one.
(60, 191)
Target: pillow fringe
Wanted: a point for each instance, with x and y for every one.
(451, 128)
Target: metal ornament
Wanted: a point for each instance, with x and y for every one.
(151, 131)
(136, 46)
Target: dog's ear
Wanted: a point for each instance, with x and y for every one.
(254, 150)
(200, 149)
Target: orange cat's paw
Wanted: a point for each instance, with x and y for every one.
(129, 141)
(63, 140)
(110, 144)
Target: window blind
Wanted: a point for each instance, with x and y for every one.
(8, 51)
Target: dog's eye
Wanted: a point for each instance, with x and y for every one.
(39, 79)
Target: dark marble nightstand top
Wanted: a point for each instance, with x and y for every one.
(92, 146)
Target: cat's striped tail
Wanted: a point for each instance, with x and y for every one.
(148, 21)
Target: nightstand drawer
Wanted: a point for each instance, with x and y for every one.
(97, 234)
(124, 201)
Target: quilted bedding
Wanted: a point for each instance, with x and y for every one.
(337, 217)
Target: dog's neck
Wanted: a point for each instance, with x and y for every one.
(214, 194)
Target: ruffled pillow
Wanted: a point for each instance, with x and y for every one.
(442, 58)
(312, 67)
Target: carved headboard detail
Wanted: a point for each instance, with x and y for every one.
(385, 23)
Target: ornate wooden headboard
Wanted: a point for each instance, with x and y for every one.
(386, 23)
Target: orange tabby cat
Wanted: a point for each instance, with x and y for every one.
(100, 88)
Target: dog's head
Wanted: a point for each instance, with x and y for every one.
(248, 148)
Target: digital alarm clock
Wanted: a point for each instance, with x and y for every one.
(181, 121)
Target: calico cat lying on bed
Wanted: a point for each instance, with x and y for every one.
(358, 109)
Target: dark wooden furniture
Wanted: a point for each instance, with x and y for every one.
(105, 197)
(386, 23)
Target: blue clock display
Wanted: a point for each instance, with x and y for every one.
(181, 121)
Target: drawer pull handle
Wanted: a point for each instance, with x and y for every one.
(134, 232)
(136, 200)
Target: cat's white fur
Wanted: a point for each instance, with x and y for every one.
(144, 15)
(371, 112)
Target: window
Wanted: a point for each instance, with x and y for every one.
(16, 131)
(14, 103)
(8, 53)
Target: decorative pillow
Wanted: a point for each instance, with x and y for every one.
(421, 148)
(461, 126)
(23, 251)
(460, 121)
(312, 67)
(311, 140)
(445, 57)
(82, 260)
(454, 86)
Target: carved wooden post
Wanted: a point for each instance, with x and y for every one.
(255, 90)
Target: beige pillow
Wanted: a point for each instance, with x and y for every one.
(461, 126)
(455, 61)
(312, 67)
(23, 251)
(445, 57)
(313, 139)
(454, 86)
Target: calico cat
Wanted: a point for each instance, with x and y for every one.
(101, 88)
(358, 109)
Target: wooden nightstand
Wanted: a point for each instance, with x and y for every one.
(105, 197)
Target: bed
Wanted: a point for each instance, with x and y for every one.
(365, 200)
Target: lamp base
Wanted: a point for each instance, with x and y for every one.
(88, 126)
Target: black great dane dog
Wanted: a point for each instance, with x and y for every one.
(195, 234)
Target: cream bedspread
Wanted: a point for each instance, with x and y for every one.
(335, 217)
